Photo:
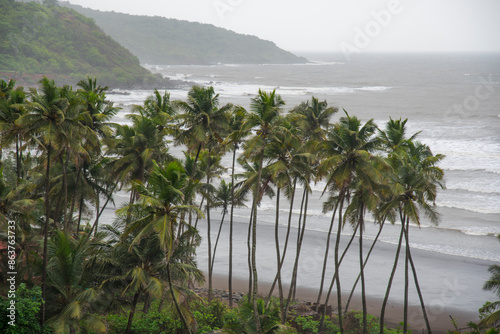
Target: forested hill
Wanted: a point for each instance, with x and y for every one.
(157, 40)
(47, 40)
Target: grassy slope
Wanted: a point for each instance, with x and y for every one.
(58, 42)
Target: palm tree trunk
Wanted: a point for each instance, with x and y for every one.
(209, 241)
(325, 259)
(337, 267)
(254, 244)
(79, 214)
(174, 298)
(96, 222)
(277, 245)
(334, 278)
(230, 274)
(362, 269)
(218, 237)
(389, 285)
(46, 233)
(336, 275)
(364, 265)
(132, 312)
(405, 307)
(293, 284)
(249, 257)
(417, 285)
(285, 247)
(18, 161)
(65, 177)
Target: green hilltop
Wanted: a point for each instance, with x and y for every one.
(48, 40)
(158, 40)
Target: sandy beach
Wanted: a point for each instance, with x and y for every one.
(451, 285)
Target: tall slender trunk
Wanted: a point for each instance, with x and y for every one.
(391, 278)
(18, 161)
(96, 222)
(132, 312)
(337, 267)
(73, 200)
(46, 232)
(230, 274)
(174, 298)
(364, 265)
(277, 246)
(293, 284)
(249, 257)
(336, 275)
(362, 268)
(325, 259)
(65, 177)
(334, 278)
(405, 307)
(209, 241)
(254, 244)
(218, 237)
(285, 247)
(79, 214)
(417, 285)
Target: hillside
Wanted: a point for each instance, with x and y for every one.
(157, 40)
(58, 42)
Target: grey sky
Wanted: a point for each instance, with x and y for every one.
(336, 25)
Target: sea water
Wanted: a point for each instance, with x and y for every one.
(452, 100)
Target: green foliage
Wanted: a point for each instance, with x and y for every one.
(154, 322)
(61, 43)
(157, 40)
(307, 324)
(209, 316)
(27, 308)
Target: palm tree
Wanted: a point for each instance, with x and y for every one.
(159, 109)
(265, 116)
(68, 289)
(203, 122)
(44, 125)
(493, 284)
(136, 148)
(414, 184)
(347, 158)
(12, 107)
(235, 137)
(162, 205)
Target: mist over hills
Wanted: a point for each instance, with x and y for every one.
(158, 40)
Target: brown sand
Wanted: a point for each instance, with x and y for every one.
(439, 319)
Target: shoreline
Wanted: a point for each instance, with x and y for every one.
(451, 285)
(440, 321)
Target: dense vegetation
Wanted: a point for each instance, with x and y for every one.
(157, 40)
(63, 161)
(37, 40)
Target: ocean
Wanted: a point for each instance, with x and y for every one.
(452, 99)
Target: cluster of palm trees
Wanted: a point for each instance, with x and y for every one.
(63, 160)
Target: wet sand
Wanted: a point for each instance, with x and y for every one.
(451, 285)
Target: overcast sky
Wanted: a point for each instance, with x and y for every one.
(339, 25)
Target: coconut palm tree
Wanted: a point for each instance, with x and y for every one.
(43, 125)
(12, 107)
(235, 138)
(68, 290)
(347, 158)
(160, 110)
(266, 119)
(414, 185)
(162, 203)
(493, 284)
